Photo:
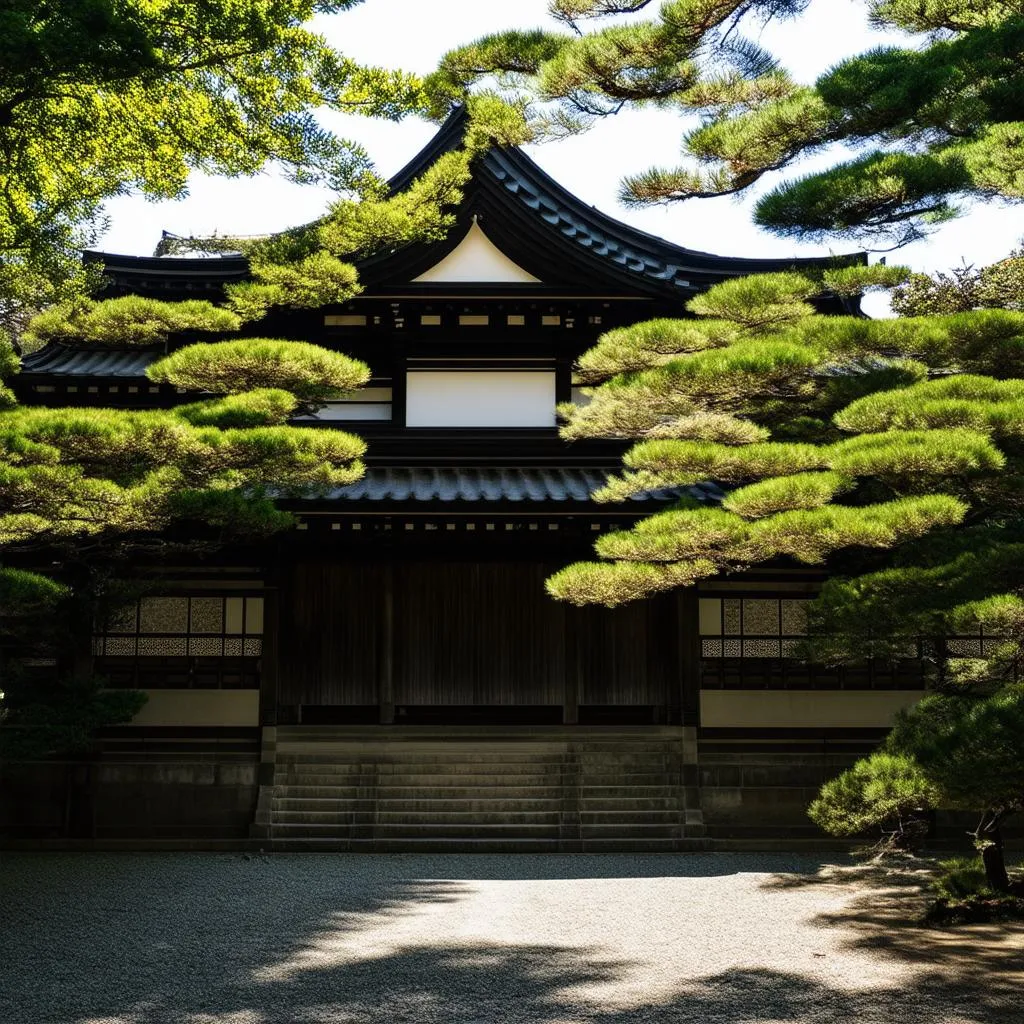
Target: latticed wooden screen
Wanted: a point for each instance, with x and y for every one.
(751, 627)
(178, 626)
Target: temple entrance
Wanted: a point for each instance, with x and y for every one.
(422, 642)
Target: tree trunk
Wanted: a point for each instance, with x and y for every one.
(990, 839)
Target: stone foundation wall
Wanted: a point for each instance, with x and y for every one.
(170, 800)
(742, 789)
(753, 790)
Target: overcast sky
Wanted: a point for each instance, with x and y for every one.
(412, 34)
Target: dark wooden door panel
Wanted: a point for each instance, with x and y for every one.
(332, 633)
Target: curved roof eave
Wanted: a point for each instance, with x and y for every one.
(513, 186)
(520, 204)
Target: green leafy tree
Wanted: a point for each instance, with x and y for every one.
(885, 794)
(86, 492)
(935, 122)
(99, 98)
(999, 286)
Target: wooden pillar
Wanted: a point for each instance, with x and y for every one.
(563, 379)
(270, 656)
(689, 655)
(268, 715)
(665, 623)
(573, 668)
(386, 684)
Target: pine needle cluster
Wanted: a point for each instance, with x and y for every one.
(931, 123)
(826, 433)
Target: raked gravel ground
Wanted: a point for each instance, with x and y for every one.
(714, 939)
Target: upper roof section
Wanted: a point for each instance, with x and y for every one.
(516, 228)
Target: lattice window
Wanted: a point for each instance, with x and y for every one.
(183, 626)
(759, 627)
(751, 627)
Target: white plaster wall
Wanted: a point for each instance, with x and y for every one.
(495, 398)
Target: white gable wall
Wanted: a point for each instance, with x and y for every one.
(476, 259)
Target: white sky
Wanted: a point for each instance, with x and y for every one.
(412, 34)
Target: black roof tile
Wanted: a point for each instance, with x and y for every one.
(92, 361)
(497, 484)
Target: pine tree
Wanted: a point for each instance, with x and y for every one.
(941, 115)
(834, 437)
(96, 101)
(829, 431)
(959, 750)
(94, 486)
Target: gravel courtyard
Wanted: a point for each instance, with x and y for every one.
(715, 939)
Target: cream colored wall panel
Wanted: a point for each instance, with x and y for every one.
(488, 398)
(200, 707)
(477, 259)
(802, 709)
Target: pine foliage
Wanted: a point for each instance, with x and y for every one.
(937, 120)
(97, 100)
(828, 433)
(832, 438)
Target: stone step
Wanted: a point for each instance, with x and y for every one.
(339, 817)
(337, 789)
(534, 743)
(614, 791)
(448, 766)
(413, 760)
(323, 793)
(319, 803)
(333, 844)
(440, 782)
(433, 805)
(414, 819)
(381, 834)
(645, 799)
(423, 831)
(605, 795)
(630, 780)
(618, 830)
(414, 844)
(399, 754)
(666, 816)
(483, 817)
(429, 769)
(492, 794)
(669, 802)
(344, 753)
(544, 792)
(609, 780)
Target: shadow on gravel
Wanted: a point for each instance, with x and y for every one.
(193, 940)
(981, 965)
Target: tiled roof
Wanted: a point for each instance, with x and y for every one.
(527, 214)
(492, 484)
(90, 361)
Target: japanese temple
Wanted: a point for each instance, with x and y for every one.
(391, 674)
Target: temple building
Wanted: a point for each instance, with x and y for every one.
(391, 673)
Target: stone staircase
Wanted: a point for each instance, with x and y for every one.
(476, 789)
